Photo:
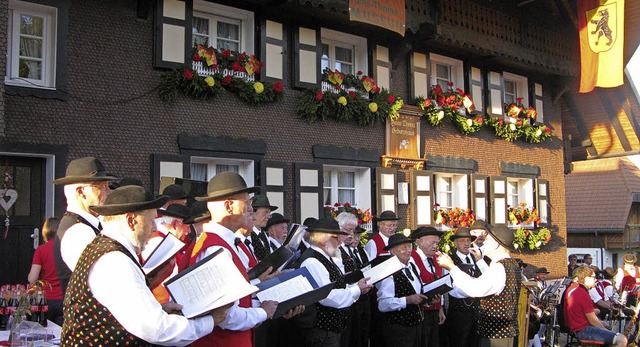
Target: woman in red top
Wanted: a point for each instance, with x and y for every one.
(43, 267)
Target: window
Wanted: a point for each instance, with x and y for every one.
(203, 168)
(515, 87)
(31, 45)
(510, 92)
(451, 191)
(445, 193)
(344, 52)
(513, 195)
(222, 27)
(520, 190)
(445, 70)
(347, 184)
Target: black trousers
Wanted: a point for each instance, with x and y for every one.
(315, 337)
(462, 328)
(402, 335)
(431, 329)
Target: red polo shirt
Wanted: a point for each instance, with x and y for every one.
(577, 303)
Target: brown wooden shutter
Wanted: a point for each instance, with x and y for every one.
(475, 87)
(542, 201)
(478, 197)
(419, 74)
(536, 101)
(273, 179)
(498, 196)
(422, 198)
(495, 83)
(172, 33)
(306, 57)
(382, 67)
(273, 51)
(309, 187)
(386, 189)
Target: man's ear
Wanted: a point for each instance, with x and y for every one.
(228, 205)
(80, 191)
(131, 220)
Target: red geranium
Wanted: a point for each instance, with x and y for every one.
(377, 90)
(196, 57)
(278, 87)
(547, 130)
(391, 99)
(236, 66)
(226, 80)
(450, 84)
(479, 119)
(188, 74)
(319, 95)
(501, 122)
(352, 94)
(226, 53)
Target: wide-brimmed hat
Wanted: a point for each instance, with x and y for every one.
(326, 225)
(197, 213)
(609, 272)
(175, 210)
(425, 231)
(175, 192)
(226, 184)
(387, 215)
(542, 270)
(395, 240)
(309, 220)
(128, 199)
(85, 170)
(502, 234)
(629, 258)
(276, 218)
(262, 201)
(461, 233)
(480, 224)
(126, 181)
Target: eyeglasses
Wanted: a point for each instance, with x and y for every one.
(248, 202)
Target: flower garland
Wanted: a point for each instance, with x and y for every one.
(354, 97)
(337, 208)
(229, 69)
(453, 218)
(523, 125)
(531, 239)
(523, 215)
(452, 105)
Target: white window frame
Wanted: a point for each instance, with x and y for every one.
(215, 12)
(456, 69)
(459, 190)
(522, 87)
(362, 185)
(357, 43)
(525, 192)
(49, 43)
(245, 167)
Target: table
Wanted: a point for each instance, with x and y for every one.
(51, 328)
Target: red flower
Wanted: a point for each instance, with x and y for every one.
(278, 87)
(436, 205)
(337, 86)
(226, 80)
(226, 53)
(519, 122)
(460, 91)
(359, 72)
(352, 94)
(196, 57)
(391, 99)
(319, 95)
(377, 90)
(501, 122)
(242, 56)
(337, 204)
(547, 130)
(346, 204)
(188, 74)
(519, 100)
(441, 101)
(236, 66)
(426, 102)
(450, 84)
(479, 119)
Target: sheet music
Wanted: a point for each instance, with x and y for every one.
(286, 290)
(383, 270)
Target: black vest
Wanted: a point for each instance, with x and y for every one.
(348, 262)
(498, 314)
(412, 314)
(465, 304)
(260, 249)
(86, 321)
(68, 220)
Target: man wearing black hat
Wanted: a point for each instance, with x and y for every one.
(198, 216)
(262, 209)
(86, 184)
(176, 195)
(230, 208)
(325, 326)
(387, 224)
(277, 228)
(479, 230)
(498, 287)
(400, 297)
(462, 314)
(426, 259)
(108, 301)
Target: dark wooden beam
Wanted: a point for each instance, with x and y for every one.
(577, 117)
(143, 8)
(625, 103)
(612, 112)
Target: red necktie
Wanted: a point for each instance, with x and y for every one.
(252, 260)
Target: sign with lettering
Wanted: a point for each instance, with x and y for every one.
(403, 137)
(388, 14)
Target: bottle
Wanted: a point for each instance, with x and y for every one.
(33, 308)
(43, 309)
(4, 317)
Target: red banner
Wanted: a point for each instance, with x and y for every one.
(601, 25)
(389, 14)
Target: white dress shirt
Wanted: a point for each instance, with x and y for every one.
(275, 242)
(337, 298)
(119, 285)
(492, 281)
(372, 250)
(238, 318)
(77, 237)
(387, 300)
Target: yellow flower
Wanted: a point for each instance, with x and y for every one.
(373, 107)
(342, 101)
(210, 81)
(259, 87)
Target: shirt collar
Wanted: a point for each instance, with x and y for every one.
(223, 232)
(93, 220)
(319, 250)
(462, 256)
(239, 235)
(114, 233)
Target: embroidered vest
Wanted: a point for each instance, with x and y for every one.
(379, 244)
(464, 304)
(498, 313)
(410, 315)
(348, 262)
(67, 221)
(86, 321)
(426, 276)
(220, 337)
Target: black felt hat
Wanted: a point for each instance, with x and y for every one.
(125, 181)
(425, 231)
(85, 170)
(175, 210)
(175, 192)
(542, 270)
(128, 199)
(387, 215)
(462, 232)
(309, 220)
(276, 218)
(503, 235)
(197, 213)
(326, 225)
(395, 240)
(226, 184)
(480, 224)
(262, 201)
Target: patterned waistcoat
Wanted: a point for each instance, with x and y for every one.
(348, 262)
(86, 321)
(464, 304)
(410, 315)
(498, 314)
(428, 277)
